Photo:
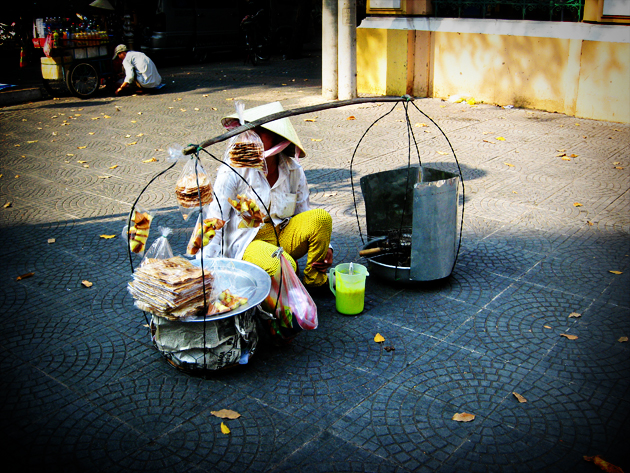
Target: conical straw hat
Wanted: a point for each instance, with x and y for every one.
(282, 127)
(102, 4)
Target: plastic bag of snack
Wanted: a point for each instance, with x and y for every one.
(160, 249)
(245, 150)
(289, 306)
(251, 213)
(203, 233)
(227, 294)
(138, 234)
(193, 183)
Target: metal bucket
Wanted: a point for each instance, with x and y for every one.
(425, 201)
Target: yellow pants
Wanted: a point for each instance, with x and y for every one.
(307, 232)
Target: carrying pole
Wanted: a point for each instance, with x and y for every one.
(290, 113)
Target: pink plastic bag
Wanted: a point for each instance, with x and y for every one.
(295, 310)
(48, 44)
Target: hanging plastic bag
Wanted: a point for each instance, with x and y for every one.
(290, 304)
(203, 233)
(245, 150)
(139, 232)
(160, 249)
(48, 44)
(193, 183)
(251, 213)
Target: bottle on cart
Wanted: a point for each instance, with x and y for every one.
(56, 39)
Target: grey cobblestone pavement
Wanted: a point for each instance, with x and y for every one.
(83, 388)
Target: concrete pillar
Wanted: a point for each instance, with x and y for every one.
(329, 49)
(347, 49)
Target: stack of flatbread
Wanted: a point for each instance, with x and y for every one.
(246, 154)
(170, 288)
(186, 190)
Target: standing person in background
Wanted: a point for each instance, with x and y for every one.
(140, 71)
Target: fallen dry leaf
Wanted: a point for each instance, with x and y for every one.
(87, 283)
(106, 116)
(559, 155)
(224, 429)
(488, 141)
(570, 337)
(508, 164)
(226, 414)
(388, 349)
(519, 397)
(114, 166)
(603, 464)
(152, 160)
(139, 113)
(546, 326)
(622, 339)
(51, 240)
(81, 147)
(442, 152)
(616, 163)
(573, 155)
(421, 124)
(131, 144)
(95, 118)
(140, 134)
(463, 417)
(316, 139)
(215, 108)
(378, 338)
(8, 204)
(103, 177)
(351, 117)
(574, 315)
(500, 138)
(24, 276)
(310, 120)
(616, 272)
(70, 154)
(81, 162)
(566, 159)
(17, 175)
(618, 167)
(90, 133)
(577, 204)
(590, 224)
(107, 237)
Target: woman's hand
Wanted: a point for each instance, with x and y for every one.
(322, 266)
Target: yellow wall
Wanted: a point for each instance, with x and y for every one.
(579, 78)
(504, 70)
(382, 61)
(604, 83)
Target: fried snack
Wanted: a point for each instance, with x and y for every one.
(226, 302)
(139, 231)
(187, 192)
(172, 288)
(249, 211)
(247, 155)
(203, 235)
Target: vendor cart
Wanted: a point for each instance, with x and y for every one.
(83, 62)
